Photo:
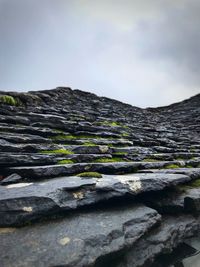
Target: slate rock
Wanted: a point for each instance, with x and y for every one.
(11, 179)
(86, 237)
(25, 202)
(162, 240)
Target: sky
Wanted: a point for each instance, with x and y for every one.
(142, 52)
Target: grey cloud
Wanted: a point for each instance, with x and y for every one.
(175, 38)
(142, 52)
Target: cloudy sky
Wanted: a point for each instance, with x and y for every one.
(143, 52)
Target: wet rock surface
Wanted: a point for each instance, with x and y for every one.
(91, 181)
(85, 237)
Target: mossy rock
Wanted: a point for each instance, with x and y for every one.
(65, 161)
(10, 100)
(89, 144)
(107, 160)
(57, 151)
(172, 166)
(191, 185)
(90, 174)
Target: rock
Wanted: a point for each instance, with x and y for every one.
(172, 231)
(50, 171)
(143, 157)
(167, 202)
(89, 149)
(23, 138)
(86, 237)
(192, 200)
(8, 159)
(11, 179)
(6, 146)
(194, 173)
(67, 193)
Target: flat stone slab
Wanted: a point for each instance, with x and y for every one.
(194, 173)
(172, 232)
(26, 159)
(24, 202)
(48, 171)
(79, 240)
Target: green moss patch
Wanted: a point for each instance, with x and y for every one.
(172, 166)
(107, 160)
(189, 166)
(57, 151)
(65, 161)
(10, 100)
(75, 137)
(90, 174)
(89, 144)
(191, 185)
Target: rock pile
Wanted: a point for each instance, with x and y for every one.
(90, 181)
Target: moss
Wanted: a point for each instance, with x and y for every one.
(191, 185)
(90, 174)
(189, 166)
(172, 166)
(89, 144)
(125, 135)
(10, 100)
(74, 137)
(195, 183)
(57, 151)
(65, 161)
(107, 160)
(110, 123)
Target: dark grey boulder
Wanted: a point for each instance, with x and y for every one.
(79, 240)
(172, 231)
(192, 200)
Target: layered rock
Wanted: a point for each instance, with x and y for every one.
(91, 181)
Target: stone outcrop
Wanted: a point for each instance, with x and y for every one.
(90, 181)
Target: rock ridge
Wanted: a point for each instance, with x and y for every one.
(91, 181)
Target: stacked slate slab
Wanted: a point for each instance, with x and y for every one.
(90, 181)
